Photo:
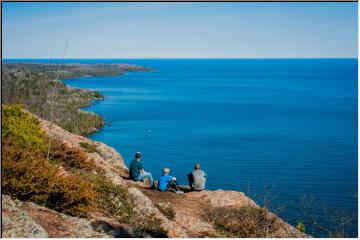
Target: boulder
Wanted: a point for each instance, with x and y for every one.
(29, 220)
(110, 226)
(16, 222)
(144, 206)
(222, 198)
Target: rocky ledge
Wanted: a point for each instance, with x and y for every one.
(187, 217)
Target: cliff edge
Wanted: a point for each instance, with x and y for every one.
(194, 214)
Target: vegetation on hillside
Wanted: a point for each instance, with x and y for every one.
(39, 89)
(166, 209)
(35, 89)
(69, 182)
(115, 200)
(29, 176)
(245, 222)
(77, 70)
(88, 147)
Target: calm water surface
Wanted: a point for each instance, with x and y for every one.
(290, 124)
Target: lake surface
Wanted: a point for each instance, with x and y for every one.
(290, 124)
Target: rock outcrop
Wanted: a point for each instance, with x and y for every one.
(221, 198)
(16, 222)
(26, 219)
(106, 158)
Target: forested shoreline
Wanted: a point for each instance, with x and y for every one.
(39, 88)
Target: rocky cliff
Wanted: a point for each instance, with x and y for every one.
(193, 214)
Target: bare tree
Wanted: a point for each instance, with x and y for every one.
(337, 220)
(54, 97)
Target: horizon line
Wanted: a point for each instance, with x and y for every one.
(200, 58)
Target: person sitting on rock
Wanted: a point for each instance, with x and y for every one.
(137, 172)
(167, 182)
(197, 179)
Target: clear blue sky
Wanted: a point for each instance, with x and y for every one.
(180, 30)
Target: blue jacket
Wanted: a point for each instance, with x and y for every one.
(164, 181)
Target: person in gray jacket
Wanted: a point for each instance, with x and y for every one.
(197, 179)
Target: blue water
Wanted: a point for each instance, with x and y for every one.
(287, 123)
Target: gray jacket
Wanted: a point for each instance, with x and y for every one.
(198, 180)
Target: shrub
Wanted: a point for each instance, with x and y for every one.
(72, 159)
(245, 222)
(148, 225)
(28, 175)
(301, 227)
(22, 129)
(89, 148)
(114, 200)
(166, 209)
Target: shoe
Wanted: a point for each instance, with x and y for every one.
(179, 192)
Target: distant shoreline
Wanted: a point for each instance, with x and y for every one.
(136, 68)
(131, 59)
(40, 77)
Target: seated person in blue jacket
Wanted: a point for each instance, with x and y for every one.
(168, 182)
(137, 172)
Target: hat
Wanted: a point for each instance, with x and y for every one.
(138, 155)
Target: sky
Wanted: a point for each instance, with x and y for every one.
(180, 30)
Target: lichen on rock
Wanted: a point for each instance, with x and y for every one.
(17, 222)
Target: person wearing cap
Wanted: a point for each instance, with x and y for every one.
(197, 178)
(167, 182)
(137, 172)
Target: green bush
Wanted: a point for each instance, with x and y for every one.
(301, 227)
(89, 148)
(22, 129)
(114, 200)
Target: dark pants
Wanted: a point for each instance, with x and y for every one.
(173, 186)
(191, 180)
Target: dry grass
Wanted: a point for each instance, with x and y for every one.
(148, 225)
(166, 209)
(72, 159)
(245, 222)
